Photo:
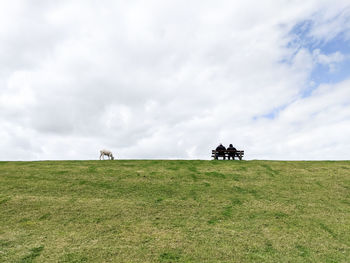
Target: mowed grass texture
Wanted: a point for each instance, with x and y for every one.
(174, 211)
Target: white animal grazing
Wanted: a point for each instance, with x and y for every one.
(108, 153)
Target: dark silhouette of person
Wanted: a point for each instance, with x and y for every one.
(220, 151)
(232, 152)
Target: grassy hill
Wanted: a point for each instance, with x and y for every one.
(174, 211)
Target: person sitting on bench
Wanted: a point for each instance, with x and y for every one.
(232, 152)
(220, 151)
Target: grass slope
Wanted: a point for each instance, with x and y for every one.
(174, 211)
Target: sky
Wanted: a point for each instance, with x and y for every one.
(163, 79)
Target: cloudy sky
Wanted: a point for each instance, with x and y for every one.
(173, 79)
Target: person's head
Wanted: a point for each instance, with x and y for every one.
(231, 145)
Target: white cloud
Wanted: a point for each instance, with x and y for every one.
(330, 60)
(315, 127)
(332, 21)
(164, 79)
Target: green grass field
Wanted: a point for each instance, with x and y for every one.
(174, 211)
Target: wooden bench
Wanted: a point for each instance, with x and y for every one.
(227, 154)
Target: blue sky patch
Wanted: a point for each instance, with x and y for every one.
(322, 73)
(271, 114)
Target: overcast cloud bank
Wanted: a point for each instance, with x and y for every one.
(172, 79)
